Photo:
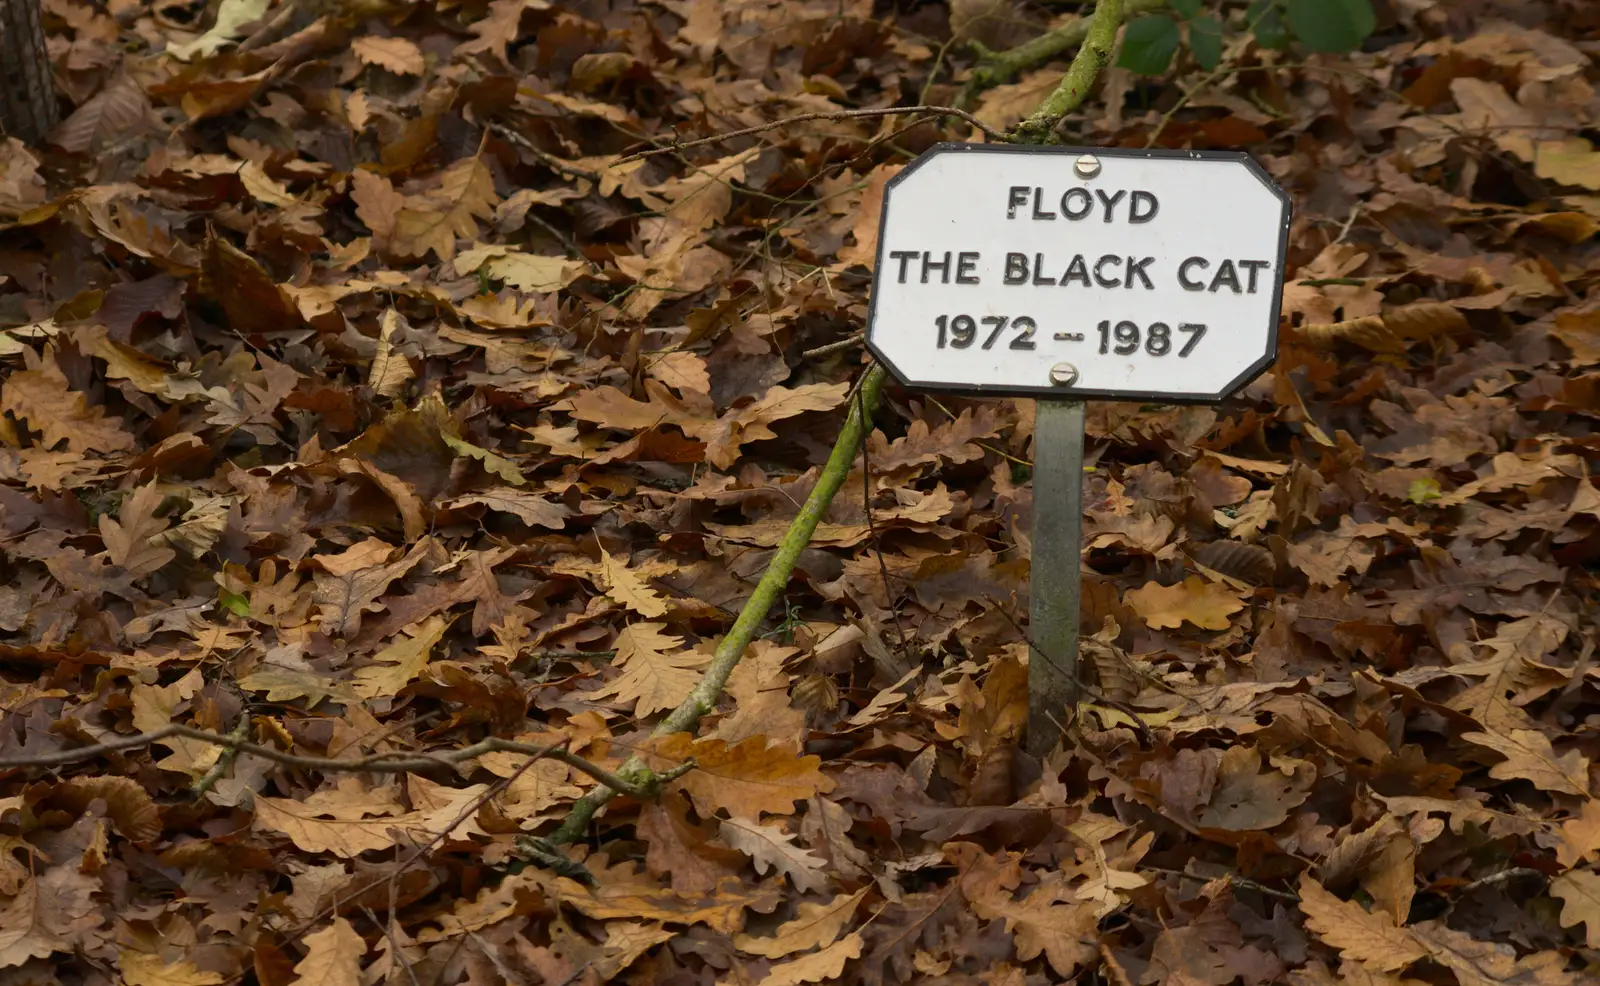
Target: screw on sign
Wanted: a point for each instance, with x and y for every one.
(1070, 274)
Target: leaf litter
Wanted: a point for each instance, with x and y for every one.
(366, 393)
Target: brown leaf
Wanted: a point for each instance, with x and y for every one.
(132, 811)
(144, 969)
(1205, 604)
(343, 597)
(745, 779)
(1247, 799)
(40, 397)
(628, 589)
(814, 925)
(653, 679)
(1530, 757)
(1580, 892)
(434, 222)
(333, 957)
(51, 913)
(118, 112)
(395, 54)
(133, 540)
(823, 964)
(772, 847)
(1370, 939)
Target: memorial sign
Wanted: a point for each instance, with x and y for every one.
(1074, 273)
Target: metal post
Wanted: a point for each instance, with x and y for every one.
(1054, 575)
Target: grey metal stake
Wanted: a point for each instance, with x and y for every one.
(1054, 574)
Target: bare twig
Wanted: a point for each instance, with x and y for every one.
(988, 131)
(1494, 879)
(1231, 878)
(394, 943)
(556, 164)
(386, 763)
(835, 347)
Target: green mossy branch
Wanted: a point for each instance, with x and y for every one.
(996, 67)
(768, 592)
(1100, 42)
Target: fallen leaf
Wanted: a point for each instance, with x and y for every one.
(771, 847)
(1205, 604)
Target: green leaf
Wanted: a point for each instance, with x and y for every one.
(1186, 8)
(1331, 25)
(1270, 32)
(235, 603)
(1205, 40)
(1148, 45)
(497, 464)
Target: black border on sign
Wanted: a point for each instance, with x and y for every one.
(1073, 393)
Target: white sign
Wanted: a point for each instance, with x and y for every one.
(1079, 272)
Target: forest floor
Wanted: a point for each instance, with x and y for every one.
(409, 376)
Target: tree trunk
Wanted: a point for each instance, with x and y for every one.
(27, 95)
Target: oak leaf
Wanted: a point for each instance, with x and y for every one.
(771, 847)
(1046, 921)
(1247, 799)
(398, 55)
(818, 966)
(334, 820)
(434, 222)
(814, 924)
(626, 587)
(344, 596)
(1580, 835)
(1325, 557)
(652, 678)
(531, 508)
(144, 969)
(1205, 604)
(377, 204)
(405, 657)
(133, 539)
(41, 397)
(390, 370)
(746, 779)
(1580, 892)
(1361, 936)
(1530, 757)
(333, 957)
(683, 372)
(492, 461)
(749, 423)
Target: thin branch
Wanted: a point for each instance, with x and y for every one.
(384, 763)
(556, 164)
(835, 347)
(708, 691)
(988, 131)
(1231, 878)
(229, 754)
(995, 67)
